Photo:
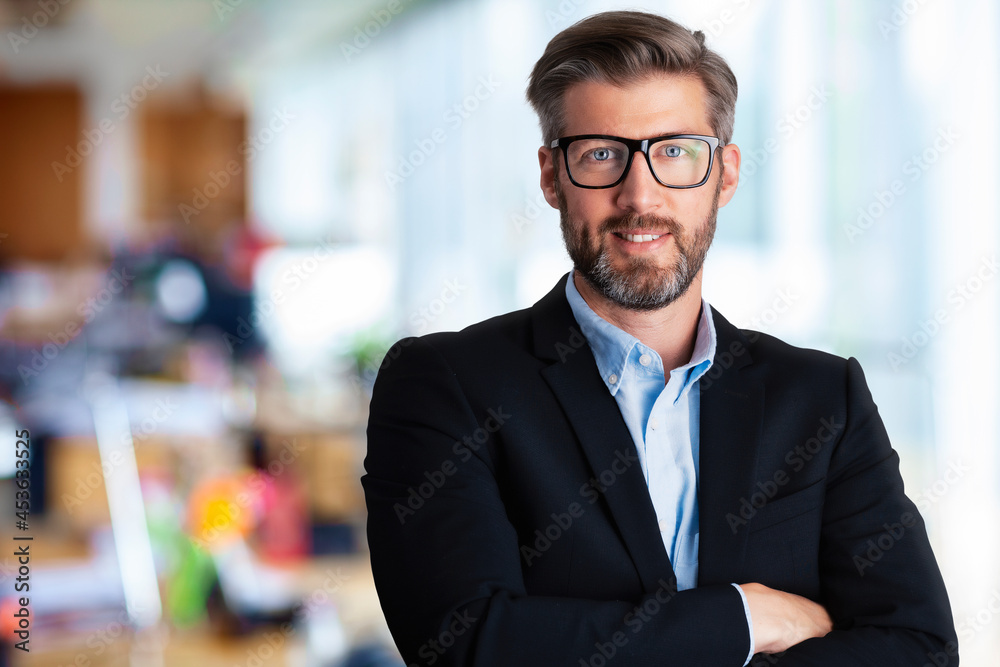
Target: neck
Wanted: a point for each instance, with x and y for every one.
(670, 330)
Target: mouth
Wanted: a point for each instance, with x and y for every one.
(639, 238)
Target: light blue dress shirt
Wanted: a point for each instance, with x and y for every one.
(662, 415)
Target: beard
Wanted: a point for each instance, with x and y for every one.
(641, 284)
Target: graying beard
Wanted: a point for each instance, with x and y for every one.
(617, 288)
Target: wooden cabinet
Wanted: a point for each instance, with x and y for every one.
(43, 152)
(194, 169)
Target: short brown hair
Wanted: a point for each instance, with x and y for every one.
(623, 47)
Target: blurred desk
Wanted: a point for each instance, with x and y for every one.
(189, 651)
(346, 581)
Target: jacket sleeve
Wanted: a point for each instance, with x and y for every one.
(445, 556)
(880, 582)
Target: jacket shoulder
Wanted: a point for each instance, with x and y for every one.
(763, 348)
(767, 348)
(803, 374)
(513, 328)
(478, 351)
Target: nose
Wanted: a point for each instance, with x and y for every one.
(640, 191)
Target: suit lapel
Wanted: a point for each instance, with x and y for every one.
(732, 411)
(606, 442)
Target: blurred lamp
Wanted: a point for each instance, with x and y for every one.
(180, 291)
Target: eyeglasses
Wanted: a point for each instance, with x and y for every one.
(602, 161)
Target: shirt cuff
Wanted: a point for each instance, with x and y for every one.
(746, 610)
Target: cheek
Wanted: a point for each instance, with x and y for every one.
(689, 211)
(590, 207)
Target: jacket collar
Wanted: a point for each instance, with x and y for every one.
(732, 398)
(556, 334)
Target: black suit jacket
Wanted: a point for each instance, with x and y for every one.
(509, 522)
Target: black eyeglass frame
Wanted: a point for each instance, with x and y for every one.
(634, 146)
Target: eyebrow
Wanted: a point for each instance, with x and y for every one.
(664, 134)
(658, 134)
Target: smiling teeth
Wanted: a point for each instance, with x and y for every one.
(640, 238)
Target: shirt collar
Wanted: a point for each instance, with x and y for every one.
(612, 346)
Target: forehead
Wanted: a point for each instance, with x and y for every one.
(658, 104)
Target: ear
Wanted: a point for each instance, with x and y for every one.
(548, 175)
(731, 175)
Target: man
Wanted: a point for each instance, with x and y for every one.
(618, 472)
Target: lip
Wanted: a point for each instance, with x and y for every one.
(640, 231)
(636, 232)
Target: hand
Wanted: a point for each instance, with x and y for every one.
(781, 620)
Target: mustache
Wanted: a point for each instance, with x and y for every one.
(625, 223)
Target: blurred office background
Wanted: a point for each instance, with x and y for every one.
(216, 216)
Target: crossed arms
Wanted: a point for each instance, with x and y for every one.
(455, 590)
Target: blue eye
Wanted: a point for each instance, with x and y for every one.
(601, 154)
(673, 151)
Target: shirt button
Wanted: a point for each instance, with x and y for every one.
(652, 424)
(645, 359)
(664, 525)
(613, 379)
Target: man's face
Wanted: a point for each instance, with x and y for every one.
(597, 225)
